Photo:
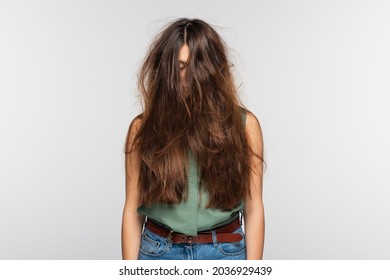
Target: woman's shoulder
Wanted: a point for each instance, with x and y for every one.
(251, 119)
(253, 128)
(136, 123)
(133, 129)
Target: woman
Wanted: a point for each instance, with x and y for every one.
(194, 157)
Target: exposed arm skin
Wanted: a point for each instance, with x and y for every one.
(131, 221)
(254, 210)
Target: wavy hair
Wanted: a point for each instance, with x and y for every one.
(198, 113)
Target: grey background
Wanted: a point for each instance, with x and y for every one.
(316, 74)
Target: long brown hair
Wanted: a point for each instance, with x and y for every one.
(199, 113)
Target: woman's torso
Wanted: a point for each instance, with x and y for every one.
(192, 216)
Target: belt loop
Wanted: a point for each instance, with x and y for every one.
(144, 225)
(169, 237)
(214, 236)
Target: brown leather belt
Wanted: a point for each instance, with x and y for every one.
(223, 233)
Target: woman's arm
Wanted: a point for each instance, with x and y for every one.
(131, 221)
(254, 210)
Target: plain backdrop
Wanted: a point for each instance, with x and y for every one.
(315, 73)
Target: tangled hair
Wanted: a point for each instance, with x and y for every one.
(199, 113)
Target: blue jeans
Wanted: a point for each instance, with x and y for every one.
(155, 247)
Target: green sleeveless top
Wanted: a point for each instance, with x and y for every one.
(191, 216)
